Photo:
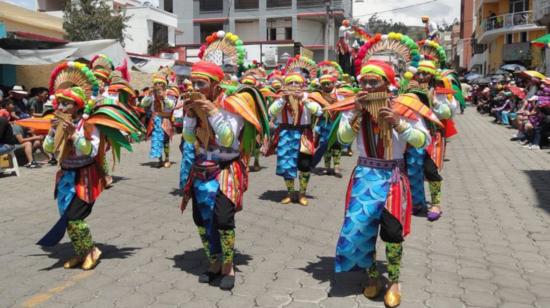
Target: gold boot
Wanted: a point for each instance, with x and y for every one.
(167, 164)
(91, 259)
(372, 290)
(392, 298)
(73, 262)
(303, 200)
(287, 199)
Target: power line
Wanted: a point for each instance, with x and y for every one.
(396, 9)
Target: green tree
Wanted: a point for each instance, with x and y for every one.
(376, 24)
(86, 20)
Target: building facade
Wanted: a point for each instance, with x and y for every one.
(262, 21)
(503, 31)
(464, 45)
(148, 25)
(542, 17)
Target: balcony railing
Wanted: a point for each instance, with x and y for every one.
(507, 21)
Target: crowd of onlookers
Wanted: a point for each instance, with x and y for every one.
(16, 103)
(520, 102)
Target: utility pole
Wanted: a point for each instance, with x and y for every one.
(328, 5)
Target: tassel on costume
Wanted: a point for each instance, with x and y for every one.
(227, 238)
(212, 258)
(435, 192)
(394, 253)
(80, 236)
(304, 180)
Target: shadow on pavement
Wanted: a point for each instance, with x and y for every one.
(539, 183)
(341, 284)
(195, 262)
(278, 195)
(155, 164)
(176, 192)
(117, 179)
(64, 251)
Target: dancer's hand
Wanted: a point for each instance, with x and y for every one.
(387, 114)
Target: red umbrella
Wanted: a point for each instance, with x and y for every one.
(517, 91)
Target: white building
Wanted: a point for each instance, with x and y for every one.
(147, 23)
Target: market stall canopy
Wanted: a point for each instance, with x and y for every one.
(70, 51)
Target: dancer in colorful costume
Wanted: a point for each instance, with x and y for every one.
(378, 193)
(160, 126)
(79, 135)
(432, 158)
(294, 134)
(224, 125)
(326, 128)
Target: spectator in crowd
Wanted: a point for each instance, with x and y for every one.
(37, 102)
(11, 137)
(18, 96)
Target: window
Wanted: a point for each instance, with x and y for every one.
(288, 33)
(207, 29)
(169, 6)
(279, 29)
(310, 3)
(519, 6)
(272, 34)
(211, 5)
(246, 4)
(160, 33)
(523, 37)
(509, 38)
(278, 3)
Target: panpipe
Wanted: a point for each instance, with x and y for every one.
(203, 131)
(372, 103)
(294, 98)
(61, 137)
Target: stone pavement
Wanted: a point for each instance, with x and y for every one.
(490, 249)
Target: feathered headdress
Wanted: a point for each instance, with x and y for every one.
(74, 74)
(331, 68)
(102, 66)
(431, 50)
(223, 49)
(123, 69)
(119, 83)
(302, 65)
(393, 43)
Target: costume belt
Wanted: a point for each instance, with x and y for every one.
(295, 127)
(397, 165)
(77, 162)
(209, 169)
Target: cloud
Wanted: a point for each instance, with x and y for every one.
(437, 11)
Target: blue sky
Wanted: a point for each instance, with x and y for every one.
(30, 4)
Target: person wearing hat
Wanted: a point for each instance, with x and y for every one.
(327, 95)
(18, 96)
(426, 76)
(78, 136)
(223, 127)
(160, 125)
(295, 146)
(378, 198)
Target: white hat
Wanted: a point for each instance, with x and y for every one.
(18, 90)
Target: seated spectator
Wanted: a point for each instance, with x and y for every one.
(10, 139)
(18, 96)
(37, 102)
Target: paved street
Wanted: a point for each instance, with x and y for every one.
(490, 249)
